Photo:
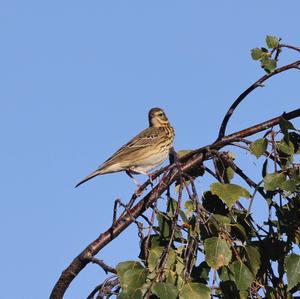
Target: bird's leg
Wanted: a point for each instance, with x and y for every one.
(149, 175)
(137, 191)
(116, 204)
(130, 175)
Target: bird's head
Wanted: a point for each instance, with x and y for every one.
(157, 118)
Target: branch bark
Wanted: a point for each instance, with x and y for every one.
(188, 161)
(258, 83)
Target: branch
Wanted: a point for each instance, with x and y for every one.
(226, 140)
(242, 96)
(290, 47)
(104, 289)
(189, 161)
(105, 267)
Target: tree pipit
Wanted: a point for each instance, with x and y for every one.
(142, 153)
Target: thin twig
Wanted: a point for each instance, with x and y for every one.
(105, 288)
(242, 96)
(290, 47)
(146, 245)
(105, 267)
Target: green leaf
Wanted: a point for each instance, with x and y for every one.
(213, 204)
(253, 260)
(171, 260)
(190, 207)
(184, 216)
(222, 219)
(229, 193)
(128, 265)
(194, 290)
(241, 230)
(183, 152)
(289, 185)
(285, 125)
(292, 266)
(203, 271)
(287, 148)
(154, 240)
(244, 294)
(242, 275)
(139, 293)
(132, 276)
(256, 53)
(155, 255)
(126, 295)
(217, 252)
(230, 173)
(172, 206)
(225, 274)
(179, 267)
(165, 226)
(272, 181)
(136, 294)
(269, 65)
(258, 147)
(174, 279)
(272, 41)
(164, 290)
(264, 170)
(295, 139)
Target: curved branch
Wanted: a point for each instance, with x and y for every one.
(188, 161)
(290, 47)
(242, 96)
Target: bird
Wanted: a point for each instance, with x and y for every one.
(142, 153)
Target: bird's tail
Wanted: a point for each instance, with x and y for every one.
(92, 175)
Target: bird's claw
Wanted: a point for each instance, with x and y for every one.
(138, 191)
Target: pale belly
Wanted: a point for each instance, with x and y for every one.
(150, 163)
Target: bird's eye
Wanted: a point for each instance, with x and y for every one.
(160, 114)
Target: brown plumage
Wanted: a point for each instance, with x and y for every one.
(144, 152)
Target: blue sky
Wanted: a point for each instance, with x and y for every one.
(77, 81)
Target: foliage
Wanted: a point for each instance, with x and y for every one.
(203, 245)
(237, 251)
(214, 239)
(191, 246)
(264, 55)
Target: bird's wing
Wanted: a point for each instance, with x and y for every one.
(142, 140)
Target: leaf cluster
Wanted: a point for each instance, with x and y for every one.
(209, 245)
(265, 54)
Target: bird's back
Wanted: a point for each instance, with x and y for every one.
(149, 142)
(144, 152)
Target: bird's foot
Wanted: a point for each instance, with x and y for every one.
(138, 191)
(133, 178)
(151, 176)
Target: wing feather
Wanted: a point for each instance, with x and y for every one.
(142, 140)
